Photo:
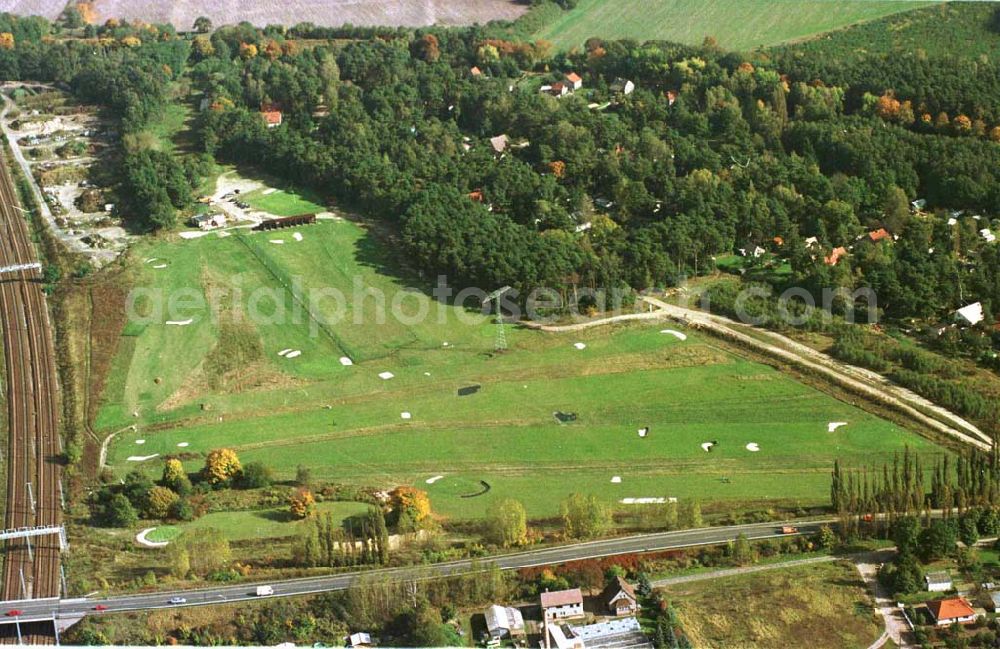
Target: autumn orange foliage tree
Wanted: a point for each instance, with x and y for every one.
(411, 502)
(302, 503)
(222, 465)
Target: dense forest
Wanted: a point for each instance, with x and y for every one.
(448, 136)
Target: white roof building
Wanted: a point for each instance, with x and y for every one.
(971, 314)
(360, 640)
(504, 621)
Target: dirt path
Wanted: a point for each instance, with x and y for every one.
(732, 572)
(896, 628)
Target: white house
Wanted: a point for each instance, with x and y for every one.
(971, 314)
(986, 234)
(574, 80)
(619, 597)
(938, 582)
(360, 640)
(562, 604)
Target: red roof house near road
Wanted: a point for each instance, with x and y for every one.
(574, 80)
(562, 604)
(948, 611)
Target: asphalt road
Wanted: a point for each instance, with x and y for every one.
(73, 608)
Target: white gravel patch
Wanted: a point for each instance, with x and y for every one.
(385, 376)
(579, 346)
(616, 479)
(297, 236)
(834, 425)
(345, 361)
(180, 323)
(182, 444)
(405, 415)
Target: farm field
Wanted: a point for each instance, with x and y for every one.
(735, 24)
(821, 605)
(334, 13)
(190, 387)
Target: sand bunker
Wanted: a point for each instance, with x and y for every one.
(294, 354)
(579, 345)
(753, 447)
(676, 334)
(434, 479)
(642, 501)
(180, 323)
(345, 361)
(707, 446)
(284, 351)
(644, 431)
(193, 234)
(182, 444)
(405, 415)
(277, 241)
(160, 266)
(616, 479)
(297, 236)
(834, 425)
(385, 376)
(141, 458)
(141, 539)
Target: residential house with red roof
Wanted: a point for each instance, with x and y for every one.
(949, 611)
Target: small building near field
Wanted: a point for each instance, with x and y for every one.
(950, 611)
(360, 641)
(574, 81)
(970, 315)
(619, 597)
(562, 604)
(475, 71)
(504, 622)
(938, 582)
(208, 221)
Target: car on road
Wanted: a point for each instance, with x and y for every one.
(788, 529)
(14, 612)
(100, 607)
(177, 600)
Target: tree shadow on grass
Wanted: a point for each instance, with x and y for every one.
(276, 515)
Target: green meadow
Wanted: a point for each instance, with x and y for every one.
(220, 381)
(735, 24)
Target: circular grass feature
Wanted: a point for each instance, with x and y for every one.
(164, 533)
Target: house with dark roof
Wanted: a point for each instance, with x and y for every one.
(938, 582)
(619, 597)
(951, 611)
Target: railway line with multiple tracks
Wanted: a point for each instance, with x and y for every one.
(31, 567)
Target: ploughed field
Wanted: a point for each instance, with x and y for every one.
(536, 423)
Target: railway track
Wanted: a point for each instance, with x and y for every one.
(34, 494)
